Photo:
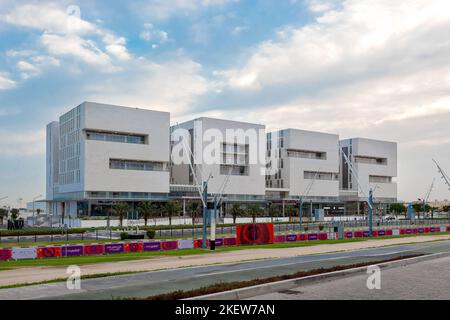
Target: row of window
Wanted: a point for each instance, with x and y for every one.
(321, 176)
(304, 154)
(116, 137)
(380, 179)
(234, 170)
(135, 165)
(371, 160)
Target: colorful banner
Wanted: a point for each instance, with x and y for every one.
(24, 253)
(114, 248)
(255, 234)
(49, 252)
(302, 237)
(219, 242)
(186, 244)
(291, 238)
(358, 234)
(313, 236)
(134, 247)
(72, 251)
(94, 249)
(374, 233)
(348, 235)
(152, 246)
(323, 236)
(381, 233)
(279, 238)
(5, 254)
(389, 232)
(169, 245)
(229, 241)
(366, 234)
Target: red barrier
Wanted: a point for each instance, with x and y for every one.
(134, 247)
(279, 238)
(374, 233)
(169, 245)
(49, 252)
(448, 229)
(229, 241)
(251, 234)
(94, 249)
(302, 237)
(358, 234)
(323, 236)
(415, 231)
(427, 230)
(5, 254)
(389, 232)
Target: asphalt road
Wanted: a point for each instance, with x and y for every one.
(151, 283)
(426, 280)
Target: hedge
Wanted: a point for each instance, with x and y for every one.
(43, 232)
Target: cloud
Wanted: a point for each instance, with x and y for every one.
(150, 33)
(25, 143)
(5, 82)
(163, 9)
(35, 65)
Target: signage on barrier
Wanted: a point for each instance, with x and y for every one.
(152, 246)
(113, 248)
(5, 254)
(72, 251)
(94, 249)
(313, 236)
(291, 238)
(49, 252)
(186, 244)
(169, 245)
(251, 234)
(134, 247)
(279, 238)
(24, 253)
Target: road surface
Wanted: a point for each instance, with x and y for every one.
(157, 282)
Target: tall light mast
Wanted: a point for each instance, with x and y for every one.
(445, 177)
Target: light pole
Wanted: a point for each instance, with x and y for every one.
(34, 199)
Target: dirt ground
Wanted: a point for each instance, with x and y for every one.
(39, 274)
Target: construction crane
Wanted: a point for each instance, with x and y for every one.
(370, 194)
(427, 196)
(305, 194)
(445, 177)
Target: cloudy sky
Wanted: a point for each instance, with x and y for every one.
(371, 68)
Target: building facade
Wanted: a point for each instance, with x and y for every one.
(106, 154)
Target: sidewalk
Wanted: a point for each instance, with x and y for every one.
(39, 274)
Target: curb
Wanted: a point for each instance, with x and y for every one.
(267, 288)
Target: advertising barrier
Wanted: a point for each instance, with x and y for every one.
(24, 253)
(186, 244)
(279, 238)
(255, 234)
(229, 241)
(291, 238)
(113, 248)
(169, 245)
(5, 254)
(152, 246)
(72, 251)
(49, 252)
(94, 249)
(134, 247)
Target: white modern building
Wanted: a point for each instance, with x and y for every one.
(374, 164)
(229, 154)
(308, 164)
(98, 154)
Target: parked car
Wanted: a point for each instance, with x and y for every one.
(391, 218)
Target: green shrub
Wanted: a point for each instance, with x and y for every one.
(306, 229)
(151, 233)
(321, 227)
(124, 235)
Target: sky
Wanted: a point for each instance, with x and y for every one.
(359, 68)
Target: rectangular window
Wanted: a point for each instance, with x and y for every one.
(135, 165)
(234, 170)
(371, 160)
(116, 137)
(309, 175)
(304, 154)
(380, 179)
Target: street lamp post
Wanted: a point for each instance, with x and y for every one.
(34, 199)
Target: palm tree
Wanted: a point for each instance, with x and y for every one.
(272, 211)
(3, 214)
(290, 211)
(14, 214)
(194, 206)
(172, 209)
(254, 211)
(145, 210)
(236, 211)
(121, 209)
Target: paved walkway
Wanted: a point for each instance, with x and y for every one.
(39, 274)
(427, 280)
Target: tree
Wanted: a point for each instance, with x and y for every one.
(172, 209)
(254, 211)
(145, 210)
(290, 212)
(446, 209)
(120, 209)
(15, 214)
(272, 211)
(38, 211)
(3, 214)
(194, 208)
(236, 212)
(397, 208)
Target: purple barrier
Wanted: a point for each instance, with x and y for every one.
(152, 246)
(421, 230)
(114, 248)
(381, 233)
(229, 241)
(169, 245)
(313, 236)
(408, 231)
(279, 238)
(291, 238)
(349, 235)
(366, 234)
(72, 251)
(219, 242)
